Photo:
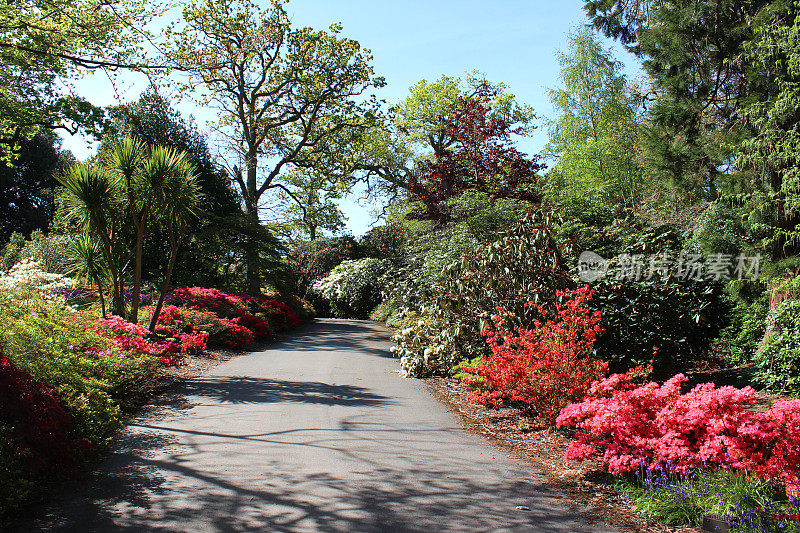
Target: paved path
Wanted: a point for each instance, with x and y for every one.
(316, 433)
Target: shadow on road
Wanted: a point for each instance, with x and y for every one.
(242, 390)
(341, 336)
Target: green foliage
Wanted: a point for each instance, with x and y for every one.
(49, 341)
(772, 150)
(688, 49)
(423, 343)
(777, 359)
(353, 288)
(680, 318)
(446, 318)
(311, 260)
(747, 329)
(27, 196)
(209, 242)
(594, 139)
(49, 250)
(45, 45)
(312, 197)
(684, 500)
(287, 97)
(383, 242)
(719, 230)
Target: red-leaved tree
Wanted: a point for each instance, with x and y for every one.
(481, 159)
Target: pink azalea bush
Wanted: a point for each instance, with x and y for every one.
(656, 426)
(193, 343)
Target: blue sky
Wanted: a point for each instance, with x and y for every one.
(513, 41)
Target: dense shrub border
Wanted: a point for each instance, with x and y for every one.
(543, 368)
(656, 426)
(63, 373)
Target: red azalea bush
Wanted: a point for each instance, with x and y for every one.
(222, 304)
(657, 426)
(274, 314)
(193, 343)
(208, 316)
(119, 325)
(258, 326)
(37, 425)
(236, 335)
(540, 370)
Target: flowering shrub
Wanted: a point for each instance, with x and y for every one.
(384, 241)
(193, 343)
(222, 304)
(276, 313)
(29, 279)
(522, 264)
(541, 369)
(353, 287)
(36, 431)
(119, 325)
(311, 260)
(236, 335)
(60, 349)
(656, 425)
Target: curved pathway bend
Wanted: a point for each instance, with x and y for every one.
(316, 433)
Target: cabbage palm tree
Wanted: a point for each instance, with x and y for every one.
(125, 161)
(178, 202)
(87, 262)
(95, 202)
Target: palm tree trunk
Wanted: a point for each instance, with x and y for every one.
(173, 253)
(137, 274)
(102, 298)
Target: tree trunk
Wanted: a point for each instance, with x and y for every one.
(137, 273)
(165, 284)
(253, 277)
(102, 298)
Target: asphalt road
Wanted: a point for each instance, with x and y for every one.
(316, 433)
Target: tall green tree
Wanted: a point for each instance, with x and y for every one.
(396, 152)
(594, 138)
(284, 95)
(154, 121)
(179, 203)
(46, 44)
(116, 200)
(312, 204)
(687, 49)
(773, 151)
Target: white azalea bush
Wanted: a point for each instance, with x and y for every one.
(29, 280)
(354, 287)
